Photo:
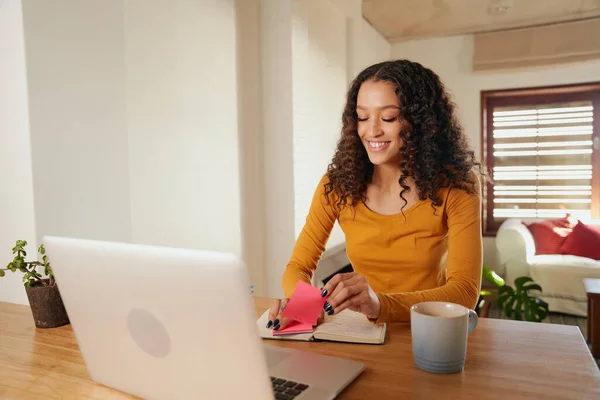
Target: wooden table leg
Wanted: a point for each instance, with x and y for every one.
(594, 324)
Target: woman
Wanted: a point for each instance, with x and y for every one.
(402, 188)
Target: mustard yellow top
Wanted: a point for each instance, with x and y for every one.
(407, 259)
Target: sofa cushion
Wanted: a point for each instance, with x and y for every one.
(550, 235)
(584, 241)
(564, 261)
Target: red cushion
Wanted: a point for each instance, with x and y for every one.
(584, 241)
(550, 235)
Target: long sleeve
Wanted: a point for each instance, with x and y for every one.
(311, 242)
(465, 250)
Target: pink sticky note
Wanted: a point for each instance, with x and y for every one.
(294, 327)
(305, 305)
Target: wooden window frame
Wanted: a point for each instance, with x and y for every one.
(537, 95)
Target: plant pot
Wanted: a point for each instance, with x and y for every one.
(47, 306)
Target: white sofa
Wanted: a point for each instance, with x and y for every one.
(560, 276)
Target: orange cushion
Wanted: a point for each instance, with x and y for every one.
(584, 241)
(550, 235)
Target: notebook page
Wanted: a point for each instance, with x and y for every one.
(350, 324)
(267, 333)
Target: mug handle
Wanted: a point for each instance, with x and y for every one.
(473, 318)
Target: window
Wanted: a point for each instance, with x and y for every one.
(541, 147)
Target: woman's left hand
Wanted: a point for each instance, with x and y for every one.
(350, 290)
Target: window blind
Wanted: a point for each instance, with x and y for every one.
(543, 160)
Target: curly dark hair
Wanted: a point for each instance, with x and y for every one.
(435, 151)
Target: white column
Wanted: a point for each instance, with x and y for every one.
(276, 49)
(251, 144)
(17, 217)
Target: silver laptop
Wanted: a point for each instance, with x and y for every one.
(166, 323)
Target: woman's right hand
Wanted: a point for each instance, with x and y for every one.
(276, 320)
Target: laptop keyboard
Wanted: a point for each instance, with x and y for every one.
(287, 390)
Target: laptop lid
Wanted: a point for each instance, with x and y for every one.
(161, 322)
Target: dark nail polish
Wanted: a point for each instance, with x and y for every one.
(326, 306)
(276, 322)
(277, 327)
(324, 293)
(330, 311)
(269, 324)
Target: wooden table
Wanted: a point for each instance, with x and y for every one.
(592, 288)
(505, 360)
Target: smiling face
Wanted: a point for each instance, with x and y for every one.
(379, 122)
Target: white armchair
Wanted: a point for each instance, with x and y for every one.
(516, 249)
(560, 276)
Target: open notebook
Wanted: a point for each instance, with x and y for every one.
(347, 326)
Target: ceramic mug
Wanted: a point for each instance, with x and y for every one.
(439, 335)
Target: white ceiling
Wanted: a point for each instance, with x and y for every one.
(399, 20)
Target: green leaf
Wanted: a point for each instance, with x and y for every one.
(519, 282)
(20, 265)
(509, 306)
(505, 290)
(2, 273)
(541, 309)
(519, 309)
(504, 293)
(42, 250)
(11, 265)
(521, 305)
(532, 286)
(529, 310)
(491, 276)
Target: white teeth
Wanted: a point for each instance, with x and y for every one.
(377, 144)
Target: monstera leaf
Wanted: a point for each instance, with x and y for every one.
(519, 304)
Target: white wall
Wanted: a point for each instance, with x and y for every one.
(16, 178)
(451, 59)
(182, 125)
(134, 125)
(319, 89)
(76, 76)
(365, 46)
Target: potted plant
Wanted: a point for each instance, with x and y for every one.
(44, 298)
(483, 304)
(520, 304)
